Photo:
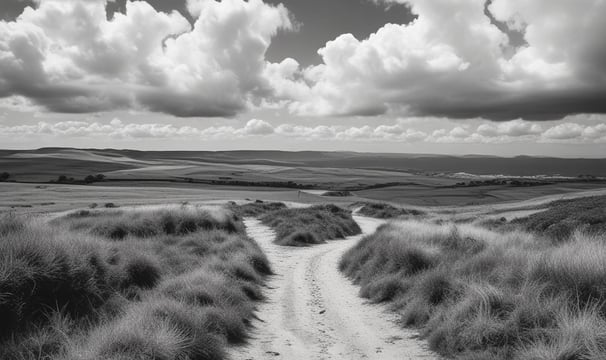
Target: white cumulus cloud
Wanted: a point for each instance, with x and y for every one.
(66, 56)
(565, 131)
(454, 61)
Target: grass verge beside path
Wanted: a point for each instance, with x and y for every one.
(173, 282)
(480, 294)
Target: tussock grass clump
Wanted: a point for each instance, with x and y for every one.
(42, 269)
(149, 222)
(387, 211)
(578, 266)
(155, 329)
(69, 292)
(255, 209)
(479, 294)
(312, 225)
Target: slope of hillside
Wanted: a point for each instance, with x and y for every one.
(476, 164)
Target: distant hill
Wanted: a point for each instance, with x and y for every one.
(113, 160)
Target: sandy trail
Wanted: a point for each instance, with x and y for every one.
(314, 312)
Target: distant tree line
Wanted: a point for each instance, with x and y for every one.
(282, 184)
(513, 182)
(62, 179)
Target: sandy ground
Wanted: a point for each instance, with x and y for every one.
(314, 312)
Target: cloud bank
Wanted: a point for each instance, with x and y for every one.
(455, 60)
(568, 130)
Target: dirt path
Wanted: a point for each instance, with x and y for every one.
(313, 312)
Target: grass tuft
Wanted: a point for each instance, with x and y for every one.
(143, 272)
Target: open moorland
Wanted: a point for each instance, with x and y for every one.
(110, 254)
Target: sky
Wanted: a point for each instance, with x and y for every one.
(498, 77)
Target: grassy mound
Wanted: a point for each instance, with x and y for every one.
(479, 294)
(255, 209)
(566, 216)
(312, 225)
(69, 291)
(386, 211)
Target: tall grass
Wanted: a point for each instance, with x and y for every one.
(71, 291)
(480, 294)
(312, 225)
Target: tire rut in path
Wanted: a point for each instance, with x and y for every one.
(313, 312)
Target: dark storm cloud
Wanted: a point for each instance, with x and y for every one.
(546, 106)
(189, 105)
